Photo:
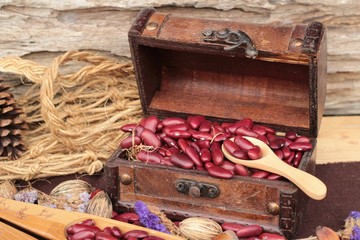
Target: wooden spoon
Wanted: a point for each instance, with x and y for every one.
(8, 232)
(308, 183)
(51, 223)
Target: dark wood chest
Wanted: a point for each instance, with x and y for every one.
(226, 71)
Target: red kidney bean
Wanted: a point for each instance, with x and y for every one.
(271, 236)
(172, 150)
(297, 159)
(243, 143)
(170, 142)
(264, 139)
(230, 146)
(287, 142)
(104, 236)
(129, 216)
(260, 174)
(215, 145)
(205, 155)
(290, 159)
(153, 238)
(151, 123)
(291, 135)
(150, 138)
(128, 127)
(166, 161)
(107, 230)
(73, 229)
(243, 131)
(302, 139)
(135, 233)
(182, 161)
(219, 172)
(195, 146)
(132, 238)
(246, 122)
(193, 155)
(163, 151)
(271, 137)
(241, 170)
(142, 122)
(274, 176)
(286, 151)
(232, 226)
(203, 143)
(195, 121)
(177, 134)
(161, 135)
(114, 214)
(183, 144)
(279, 154)
(300, 146)
(249, 231)
(254, 153)
(89, 222)
(85, 234)
(138, 130)
(138, 223)
(149, 157)
(259, 129)
(228, 166)
(116, 232)
(277, 143)
(208, 165)
(181, 127)
(205, 126)
(130, 142)
(225, 125)
(201, 135)
(117, 218)
(240, 154)
(173, 121)
(160, 126)
(217, 156)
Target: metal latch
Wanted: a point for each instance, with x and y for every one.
(233, 38)
(197, 189)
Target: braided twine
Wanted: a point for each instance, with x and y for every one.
(73, 118)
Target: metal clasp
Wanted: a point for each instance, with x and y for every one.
(233, 38)
(197, 189)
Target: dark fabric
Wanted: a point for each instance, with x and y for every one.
(342, 180)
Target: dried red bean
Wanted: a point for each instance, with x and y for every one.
(246, 122)
(264, 139)
(300, 146)
(191, 153)
(230, 146)
(116, 232)
(149, 157)
(287, 142)
(183, 144)
(286, 151)
(208, 165)
(85, 234)
(181, 127)
(150, 138)
(277, 143)
(201, 135)
(259, 129)
(271, 236)
(130, 142)
(160, 126)
(297, 159)
(228, 166)
(117, 218)
(260, 174)
(142, 122)
(173, 121)
(219, 172)
(153, 238)
(132, 238)
(195, 146)
(221, 136)
(73, 229)
(177, 134)
(135, 233)
(271, 137)
(231, 226)
(302, 139)
(243, 143)
(138, 130)
(170, 142)
(217, 156)
(128, 127)
(240, 154)
(182, 161)
(203, 143)
(195, 121)
(241, 170)
(129, 216)
(290, 159)
(225, 125)
(279, 154)
(291, 135)
(249, 231)
(172, 150)
(104, 236)
(205, 126)
(215, 145)
(107, 230)
(89, 222)
(254, 153)
(205, 155)
(166, 161)
(151, 123)
(274, 176)
(243, 131)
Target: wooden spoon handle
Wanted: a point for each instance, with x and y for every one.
(309, 184)
(10, 233)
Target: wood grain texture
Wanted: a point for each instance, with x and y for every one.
(40, 26)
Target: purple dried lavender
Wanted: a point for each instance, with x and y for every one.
(355, 215)
(27, 196)
(147, 218)
(355, 235)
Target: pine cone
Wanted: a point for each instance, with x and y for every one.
(11, 125)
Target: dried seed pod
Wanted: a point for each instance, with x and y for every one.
(198, 228)
(7, 190)
(227, 235)
(73, 187)
(100, 205)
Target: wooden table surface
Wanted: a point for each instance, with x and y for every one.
(339, 140)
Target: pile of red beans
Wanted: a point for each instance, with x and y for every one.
(195, 143)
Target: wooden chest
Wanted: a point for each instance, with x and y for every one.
(275, 75)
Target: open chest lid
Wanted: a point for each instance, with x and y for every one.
(226, 71)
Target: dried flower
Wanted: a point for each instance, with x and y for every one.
(355, 235)
(147, 218)
(28, 196)
(355, 215)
